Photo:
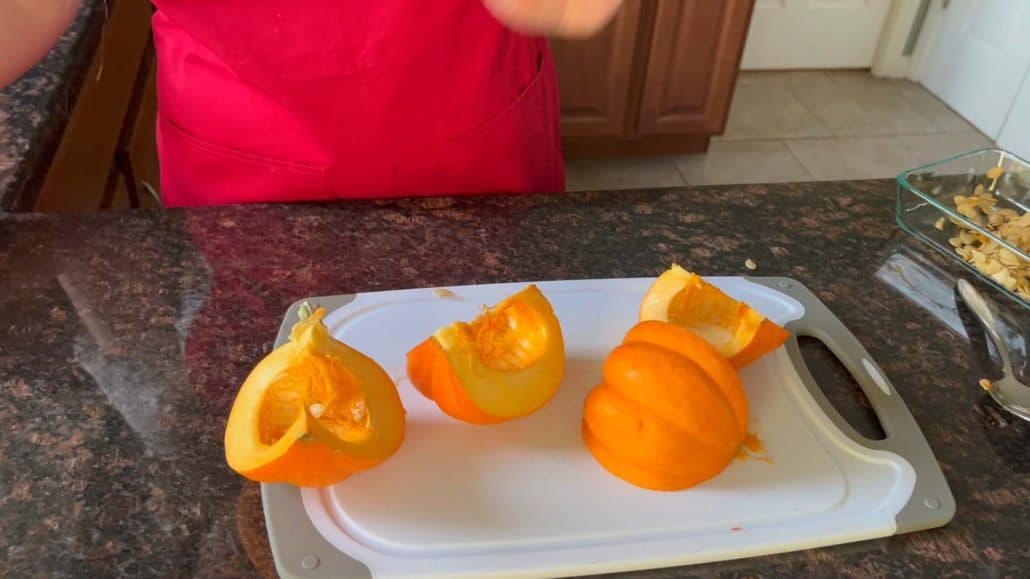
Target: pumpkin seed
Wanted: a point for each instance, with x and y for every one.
(983, 252)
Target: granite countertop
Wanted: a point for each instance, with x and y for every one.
(125, 336)
(34, 110)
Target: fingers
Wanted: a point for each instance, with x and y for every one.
(564, 18)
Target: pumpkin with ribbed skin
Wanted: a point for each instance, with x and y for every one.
(670, 412)
(507, 363)
(737, 331)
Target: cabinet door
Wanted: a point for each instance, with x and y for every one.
(594, 76)
(695, 53)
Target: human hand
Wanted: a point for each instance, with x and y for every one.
(28, 30)
(564, 18)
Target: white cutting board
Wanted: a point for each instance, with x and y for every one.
(526, 499)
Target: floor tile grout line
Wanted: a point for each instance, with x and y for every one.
(724, 139)
(820, 121)
(683, 175)
(908, 96)
(797, 158)
(800, 160)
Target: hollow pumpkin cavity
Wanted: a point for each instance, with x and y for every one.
(313, 412)
(722, 323)
(738, 332)
(326, 389)
(506, 363)
(509, 338)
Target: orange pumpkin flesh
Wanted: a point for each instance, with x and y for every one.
(768, 337)
(670, 412)
(313, 412)
(737, 331)
(430, 372)
(505, 364)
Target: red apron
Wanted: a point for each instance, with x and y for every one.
(290, 100)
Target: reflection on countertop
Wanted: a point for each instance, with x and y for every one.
(124, 336)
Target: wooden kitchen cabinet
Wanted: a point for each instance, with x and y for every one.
(695, 51)
(594, 76)
(136, 159)
(658, 80)
(82, 175)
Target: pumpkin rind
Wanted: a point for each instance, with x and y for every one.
(768, 337)
(692, 346)
(430, 372)
(505, 364)
(670, 412)
(737, 331)
(313, 451)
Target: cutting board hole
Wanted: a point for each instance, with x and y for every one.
(840, 388)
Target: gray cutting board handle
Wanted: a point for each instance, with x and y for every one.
(931, 504)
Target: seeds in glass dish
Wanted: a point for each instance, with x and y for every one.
(994, 260)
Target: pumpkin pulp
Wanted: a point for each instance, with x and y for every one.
(737, 331)
(329, 392)
(313, 412)
(506, 363)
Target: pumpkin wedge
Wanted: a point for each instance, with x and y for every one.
(670, 412)
(313, 412)
(738, 332)
(507, 363)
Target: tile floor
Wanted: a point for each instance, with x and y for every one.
(803, 126)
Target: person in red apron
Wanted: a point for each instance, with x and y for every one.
(294, 100)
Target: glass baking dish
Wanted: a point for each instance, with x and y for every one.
(948, 204)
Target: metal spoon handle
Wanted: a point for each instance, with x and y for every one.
(983, 313)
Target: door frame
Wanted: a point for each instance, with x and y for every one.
(890, 60)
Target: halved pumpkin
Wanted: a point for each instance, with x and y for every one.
(670, 412)
(313, 411)
(737, 331)
(507, 363)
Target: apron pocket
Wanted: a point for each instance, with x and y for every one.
(518, 150)
(195, 171)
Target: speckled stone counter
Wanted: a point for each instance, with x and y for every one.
(124, 336)
(35, 108)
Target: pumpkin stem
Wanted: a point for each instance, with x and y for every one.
(310, 331)
(305, 311)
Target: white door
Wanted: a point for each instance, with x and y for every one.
(980, 56)
(1015, 134)
(792, 34)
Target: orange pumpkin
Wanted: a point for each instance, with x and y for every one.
(313, 411)
(737, 331)
(507, 363)
(670, 412)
